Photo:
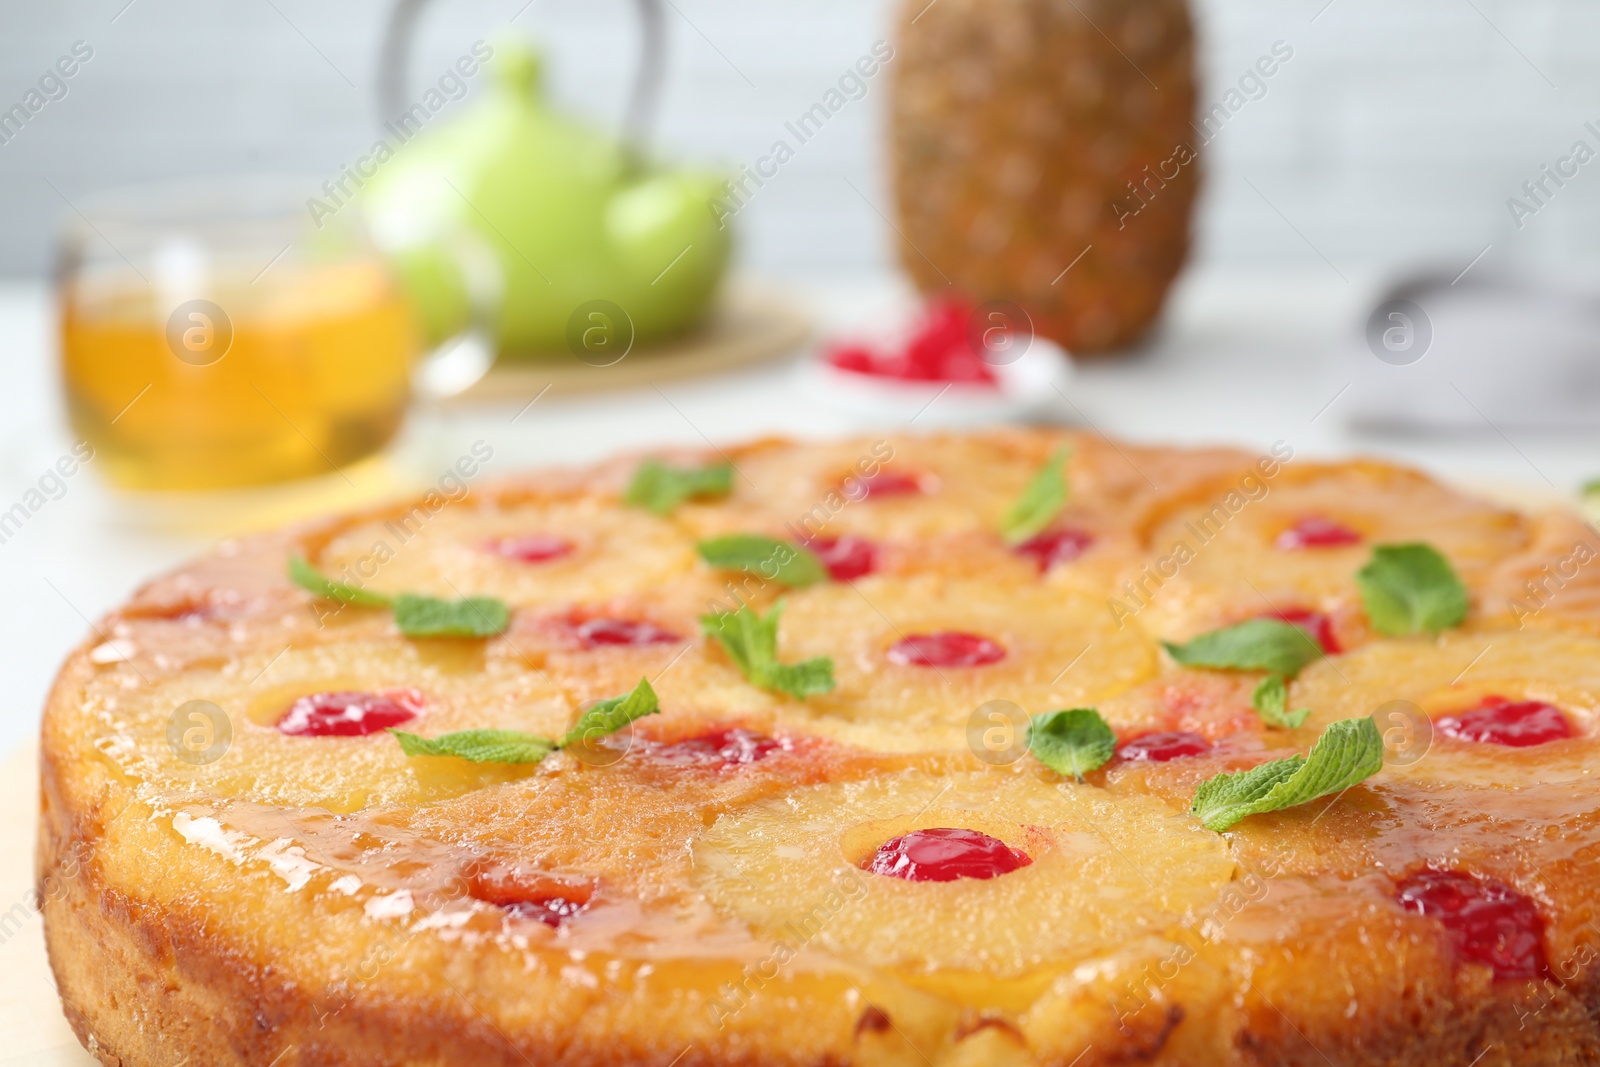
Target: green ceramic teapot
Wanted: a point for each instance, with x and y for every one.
(539, 224)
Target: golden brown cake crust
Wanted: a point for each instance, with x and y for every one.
(314, 901)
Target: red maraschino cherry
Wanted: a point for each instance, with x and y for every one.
(723, 748)
(1161, 747)
(535, 896)
(350, 714)
(1055, 546)
(890, 484)
(939, 350)
(1487, 921)
(1515, 723)
(945, 649)
(1316, 531)
(530, 548)
(847, 558)
(942, 855)
(623, 633)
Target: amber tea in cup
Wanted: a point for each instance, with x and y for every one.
(211, 336)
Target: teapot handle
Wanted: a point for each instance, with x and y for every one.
(400, 29)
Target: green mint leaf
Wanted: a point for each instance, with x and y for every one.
(660, 488)
(747, 638)
(313, 581)
(514, 746)
(1072, 742)
(778, 561)
(1042, 500)
(1348, 752)
(799, 680)
(752, 643)
(1411, 589)
(426, 616)
(609, 716)
(1271, 701)
(479, 746)
(1254, 645)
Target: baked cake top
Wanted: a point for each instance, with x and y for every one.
(847, 819)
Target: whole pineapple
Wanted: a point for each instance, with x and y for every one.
(1043, 153)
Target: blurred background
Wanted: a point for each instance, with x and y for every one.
(1394, 134)
(1343, 224)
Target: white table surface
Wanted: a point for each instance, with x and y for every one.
(1246, 358)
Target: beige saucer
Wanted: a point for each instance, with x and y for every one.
(751, 324)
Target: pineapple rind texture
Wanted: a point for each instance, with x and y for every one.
(1026, 134)
(329, 900)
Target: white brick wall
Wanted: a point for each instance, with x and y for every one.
(1400, 130)
(1394, 135)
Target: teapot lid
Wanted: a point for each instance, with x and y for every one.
(518, 67)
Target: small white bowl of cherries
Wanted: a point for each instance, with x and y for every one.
(954, 364)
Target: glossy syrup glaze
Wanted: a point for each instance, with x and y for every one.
(400, 872)
(525, 894)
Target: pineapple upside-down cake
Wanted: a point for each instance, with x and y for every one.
(1012, 748)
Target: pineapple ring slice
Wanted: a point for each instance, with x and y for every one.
(1408, 684)
(252, 760)
(1105, 870)
(1216, 560)
(1062, 650)
(449, 553)
(966, 484)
